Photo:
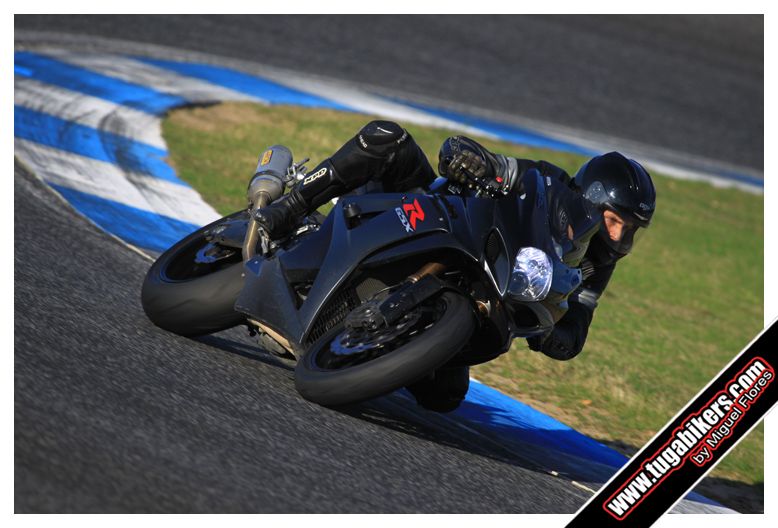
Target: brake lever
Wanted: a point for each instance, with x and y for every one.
(296, 172)
(481, 187)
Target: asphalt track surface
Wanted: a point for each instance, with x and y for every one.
(692, 84)
(115, 415)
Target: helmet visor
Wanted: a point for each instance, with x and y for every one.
(629, 239)
(630, 233)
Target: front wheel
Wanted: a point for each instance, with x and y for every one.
(192, 287)
(351, 365)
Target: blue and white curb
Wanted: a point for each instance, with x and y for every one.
(89, 125)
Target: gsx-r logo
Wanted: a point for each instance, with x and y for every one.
(409, 214)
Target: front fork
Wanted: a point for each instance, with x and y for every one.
(417, 288)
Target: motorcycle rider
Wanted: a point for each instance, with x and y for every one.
(601, 209)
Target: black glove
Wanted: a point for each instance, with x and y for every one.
(470, 170)
(466, 162)
(465, 165)
(536, 343)
(561, 343)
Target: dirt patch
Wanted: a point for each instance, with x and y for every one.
(215, 118)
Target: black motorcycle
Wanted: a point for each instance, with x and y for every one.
(379, 293)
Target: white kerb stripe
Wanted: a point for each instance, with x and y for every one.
(89, 111)
(110, 182)
(362, 101)
(690, 506)
(675, 171)
(160, 79)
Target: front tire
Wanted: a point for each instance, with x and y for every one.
(192, 298)
(319, 379)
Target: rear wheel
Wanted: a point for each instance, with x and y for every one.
(350, 365)
(192, 287)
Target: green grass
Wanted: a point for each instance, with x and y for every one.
(676, 311)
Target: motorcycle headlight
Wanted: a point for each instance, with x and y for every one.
(531, 275)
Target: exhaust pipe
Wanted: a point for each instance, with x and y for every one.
(266, 185)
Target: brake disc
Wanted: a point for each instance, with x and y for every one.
(359, 340)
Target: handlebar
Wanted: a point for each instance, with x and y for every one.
(474, 182)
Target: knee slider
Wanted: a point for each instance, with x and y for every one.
(381, 138)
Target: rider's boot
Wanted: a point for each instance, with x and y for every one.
(281, 217)
(382, 150)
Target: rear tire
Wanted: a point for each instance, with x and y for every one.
(411, 361)
(193, 299)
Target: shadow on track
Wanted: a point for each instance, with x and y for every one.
(244, 350)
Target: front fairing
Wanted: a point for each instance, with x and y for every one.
(500, 228)
(529, 215)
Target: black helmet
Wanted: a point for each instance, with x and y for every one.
(613, 182)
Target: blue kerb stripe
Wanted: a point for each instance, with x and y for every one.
(512, 419)
(18, 70)
(241, 82)
(742, 178)
(58, 73)
(92, 143)
(141, 228)
(504, 131)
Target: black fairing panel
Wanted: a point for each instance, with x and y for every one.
(349, 246)
(267, 297)
(336, 250)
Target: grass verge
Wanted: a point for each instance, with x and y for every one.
(676, 311)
